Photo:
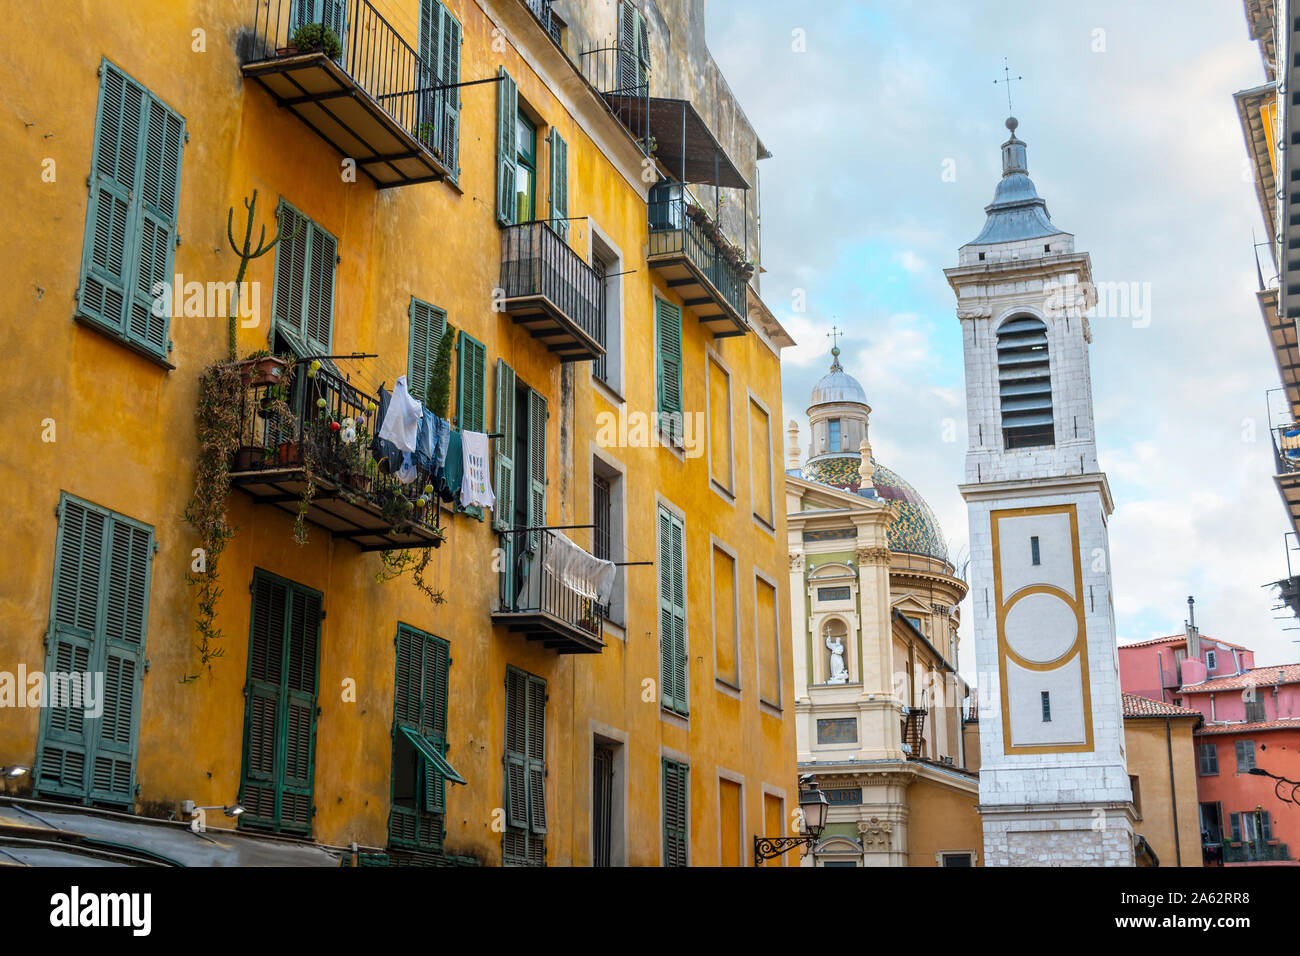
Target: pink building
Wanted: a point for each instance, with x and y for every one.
(1252, 724)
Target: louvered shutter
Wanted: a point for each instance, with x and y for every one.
(675, 796)
(428, 322)
(334, 14)
(471, 364)
(291, 270)
(634, 49)
(680, 693)
(559, 193)
(430, 31)
(507, 146)
(300, 712)
(449, 76)
(668, 327)
(98, 623)
(132, 211)
(503, 474)
(536, 754)
(1235, 821)
(536, 463)
(262, 726)
(672, 614)
(516, 748)
(320, 288)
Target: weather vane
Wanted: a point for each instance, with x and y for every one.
(1006, 81)
(834, 335)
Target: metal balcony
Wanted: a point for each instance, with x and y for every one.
(700, 264)
(550, 291)
(356, 498)
(378, 102)
(539, 605)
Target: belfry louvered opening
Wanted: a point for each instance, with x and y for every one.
(1025, 383)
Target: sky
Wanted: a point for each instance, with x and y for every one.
(1134, 141)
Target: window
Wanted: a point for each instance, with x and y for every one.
(520, 473)
(1047, 706)
(668, 368)
(835, 434)
(774, 823)
(558, 194)
(634, 50)
(1211, 661)
(525, 169)
(507, 147)
(440, 40)
(135, 184)
(600, 367)
(607, 264)
(1209, 759)
(675, 813)
(332, 13)
(721, 455)
(428, 322)
(1034, 554)
(767, 629)
(958, 859)
(471, 385)
(673, 679)
(726, 622)
(731, 834)
(602, 803)
(420, 767)
(524, 841)
(1211, 822)
(1025, 383)
(833, 594)
(608, 537)
(1135, 789)
(1255, 712)
(760, 464)
(304, 280)
(99, 612)
(280, 713)
(1245, 756)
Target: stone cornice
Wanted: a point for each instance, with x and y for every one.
(1036, 487)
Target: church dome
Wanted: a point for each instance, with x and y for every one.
(1017, 212)
(838, 385)
(914, 529)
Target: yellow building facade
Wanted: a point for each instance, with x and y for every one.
(583, 734)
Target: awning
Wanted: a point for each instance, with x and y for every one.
(431, 754)
(679, 131)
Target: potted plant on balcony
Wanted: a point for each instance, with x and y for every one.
(317, 38)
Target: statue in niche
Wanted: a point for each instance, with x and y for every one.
(839, 674)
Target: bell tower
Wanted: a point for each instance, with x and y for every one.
(1054, 788)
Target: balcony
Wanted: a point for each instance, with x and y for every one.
(355, 497)
(1286, 449)
(377, 102)
(1259, 851)
(537, 603)
(550, 291)
(698, 262)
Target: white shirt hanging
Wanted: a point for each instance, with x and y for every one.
(401, 425)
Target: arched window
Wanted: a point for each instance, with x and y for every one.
(1025, 383)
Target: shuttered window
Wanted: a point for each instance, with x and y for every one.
(440, 41)
(503, 469)
(524, 841)
(471, 387)
(536, 459)
(428, 322)
(419, 708)
(559, 188)
(135, 182)
(675, 813)
(672, 613)
(634, 49)
(1025, 383)
(1245, 756)
(668, 367)
(280, 713)
(507, 146)
(1209, 759)
(305, 260)
(98, 617)
(332, 13)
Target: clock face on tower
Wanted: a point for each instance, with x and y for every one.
(1042, 640)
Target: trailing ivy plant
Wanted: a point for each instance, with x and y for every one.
(217, 420)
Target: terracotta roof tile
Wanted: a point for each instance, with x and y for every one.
(1259, 677)
(1182, 639)
(1138, 706)
(1249, 728)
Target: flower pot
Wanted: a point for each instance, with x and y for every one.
(357, 482)
(267, 370)
(289, 453)
(247, 458)
(289, 50)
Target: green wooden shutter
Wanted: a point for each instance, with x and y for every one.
(516, 748)
(304, 279)
(428, 322)
(449, 75)
(280, 715)
(1235, 820)
(559, 193)
(507, 146)
(319, 319)
(536, 503)
(675, 797)
(430, 32)
(132, 212)
(668, 367)
(98, 617)
(536, 754)
(672, 614)
(503, 475)
(471, 370)
(634, 44)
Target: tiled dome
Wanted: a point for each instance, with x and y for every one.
(914, 529)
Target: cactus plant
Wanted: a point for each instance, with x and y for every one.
(246, 255)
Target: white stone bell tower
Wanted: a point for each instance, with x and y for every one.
(1054, 788)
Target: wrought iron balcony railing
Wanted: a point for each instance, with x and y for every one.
(682, 235)
(378, 101)
(537, 602)
(620, 76)
(327, 439)
(1286, 447)
(551, 291)
(1258, 851)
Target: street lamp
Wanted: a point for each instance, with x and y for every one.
(1281, 782)
(813, 807)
